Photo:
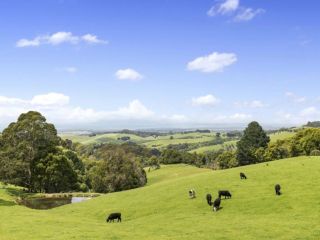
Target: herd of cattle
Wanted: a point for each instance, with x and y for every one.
(192, 194)
(226, 194)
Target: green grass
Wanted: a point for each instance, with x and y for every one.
(281, 136)
(214, 147)
(159, 142)
(162, 210)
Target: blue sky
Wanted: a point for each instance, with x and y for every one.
(163, 63)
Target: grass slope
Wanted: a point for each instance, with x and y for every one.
(162, 210)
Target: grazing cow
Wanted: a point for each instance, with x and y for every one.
(243, 176)
(209, 199)
(277, 188)
(192, 193)
(224, 193)
(114, 216)
(216, 204)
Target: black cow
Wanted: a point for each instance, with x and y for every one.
(209, 199)
(224, 193)
(216, 204)
(277, 188)
(114, 216)
(243, 176)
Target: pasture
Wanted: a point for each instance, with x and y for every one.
(162, 142)
(163, 210)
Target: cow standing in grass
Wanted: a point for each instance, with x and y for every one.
(216, 204)
(209, 199)
(192, 193)
(114, 216)
(277, 189)
(224, 193)
(243, 176)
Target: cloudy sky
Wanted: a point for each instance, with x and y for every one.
(163, 63)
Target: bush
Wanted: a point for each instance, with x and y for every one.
(117, 171)
(315, 152)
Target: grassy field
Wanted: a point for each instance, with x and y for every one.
(280, 136)
(162, 210)
(159, 142)
(163, 141)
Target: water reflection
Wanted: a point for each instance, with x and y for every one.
(48, 203)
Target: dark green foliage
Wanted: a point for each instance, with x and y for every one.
(116, 171)
(30, 156)
(24, 143)
(315, 124)
(227, 160)
(305, 141)
(57, 174)
(315, 152)
(253, 138)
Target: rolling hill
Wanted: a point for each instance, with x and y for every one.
(162, 210)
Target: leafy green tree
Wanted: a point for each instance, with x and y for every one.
(59, 174)
(117, 171)
(253, 138)
(305, 141)
(227, 159)
(24, 143)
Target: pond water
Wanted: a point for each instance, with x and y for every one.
(48, 203)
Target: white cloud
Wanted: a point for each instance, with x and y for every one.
(240, 116)
(228, 6)
(207, 100)
(128, 74)
(57, 108)
(250, 104)
(293, 97)
(50, 99)
(11, 101)
(58, 38)
(89, 38)
(135, 109)
(61, 37)
(247, 14)
(232, 7)
(214, 62)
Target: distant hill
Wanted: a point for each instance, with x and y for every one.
(315, 124)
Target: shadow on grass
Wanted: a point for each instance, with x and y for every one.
(6, 203)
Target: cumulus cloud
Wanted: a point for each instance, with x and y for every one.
(128, 74)
(50, 99)
(250, 104)
(225, 7)
(57, 108)
(58, 38)
(207, 100)
(214, 62)
(232, 7)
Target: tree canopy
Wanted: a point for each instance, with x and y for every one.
(254, 137)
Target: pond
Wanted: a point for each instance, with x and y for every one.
(51, 202)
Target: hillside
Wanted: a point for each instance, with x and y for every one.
(160, 142)
(162, 210)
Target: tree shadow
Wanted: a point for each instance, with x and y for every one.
(6, 203)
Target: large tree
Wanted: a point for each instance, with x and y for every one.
(117, 171)
(24, 143)
(254, 137)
